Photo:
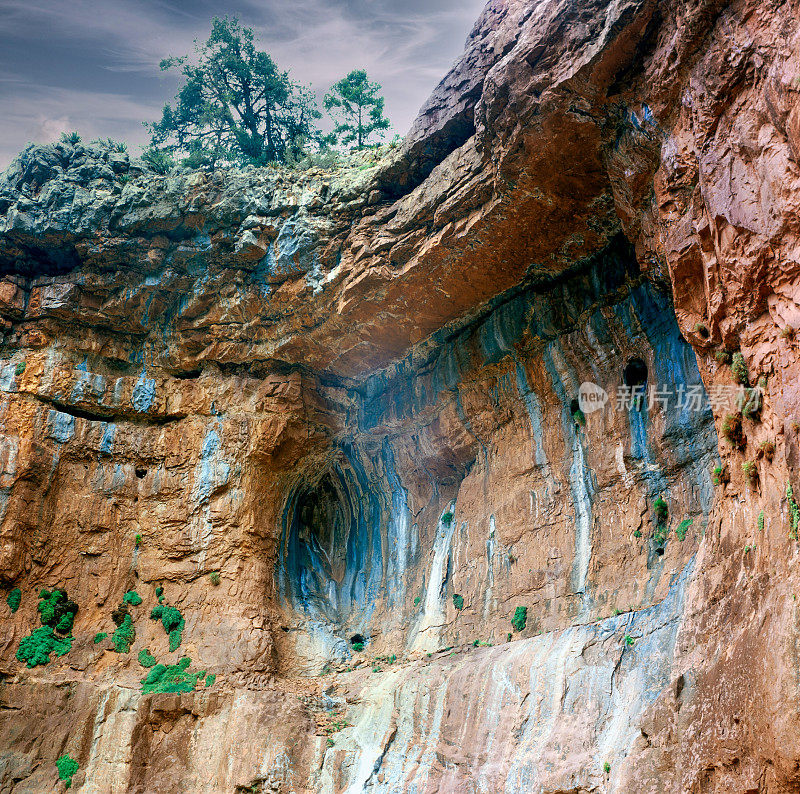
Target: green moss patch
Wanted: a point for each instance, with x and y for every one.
(520, 619)
(172, 621)
(56, 610)
(683, 528)
(100, 636)
(132, 598)
(146, 659)
(35, 649)
(124, 636)
(67, 767)
(661, 511)
(14, 599)
(458, 601)
(57, 614)
(171, 678)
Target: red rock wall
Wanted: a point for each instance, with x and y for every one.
(351, 395)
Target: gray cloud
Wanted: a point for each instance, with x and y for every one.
(93, 66)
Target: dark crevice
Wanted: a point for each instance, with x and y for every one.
(110, 416)
(418, 161)
(34, 261)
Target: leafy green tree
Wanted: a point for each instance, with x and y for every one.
(235, 104)
(355, 100)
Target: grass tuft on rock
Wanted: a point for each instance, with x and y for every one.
(683, 528)
(739, 368)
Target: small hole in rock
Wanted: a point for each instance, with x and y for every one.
(635, 373)
(141, 473)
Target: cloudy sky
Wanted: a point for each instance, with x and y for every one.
(93, 66)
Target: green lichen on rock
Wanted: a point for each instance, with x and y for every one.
(146, 659)
(520, 618)
(100, 636)
(132, 598)
(67, 767)
(35, 649)
(171, 678)
(172, 621)
(14, 599)
(124, 636)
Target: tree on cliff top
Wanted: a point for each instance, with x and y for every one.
(235, 104)
(355, 100)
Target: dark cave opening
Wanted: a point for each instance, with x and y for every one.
(330, 565)
(323, 522)
(635, 374)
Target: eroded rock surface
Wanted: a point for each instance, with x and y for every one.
(330, 420)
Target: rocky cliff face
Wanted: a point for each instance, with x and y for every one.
(328, 425)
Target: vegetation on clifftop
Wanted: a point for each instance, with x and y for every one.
(237, 106)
